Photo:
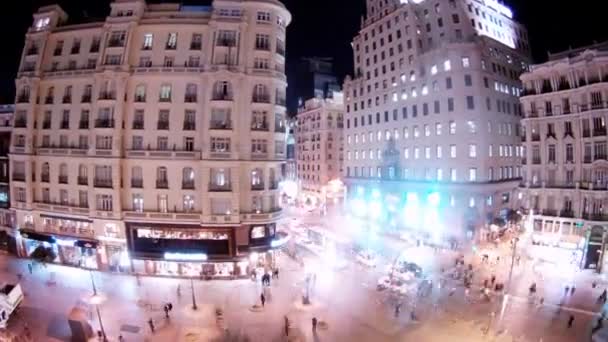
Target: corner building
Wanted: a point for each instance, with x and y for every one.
(565, 175)
(433, 108)
(152, 141)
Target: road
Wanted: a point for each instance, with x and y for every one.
(346, 299)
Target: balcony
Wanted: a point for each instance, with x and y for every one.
(226, 42)
(104, 123)
(535, 161)
(137, 183)
(280, 51)
(257, 187)
(195, 46)
(535, 137)
(586, 133)
(188, 185)
(162, 124)
(138, 124)
(103, 183)
(162, 184)
(189, 125)
(262, 46)
(549, 212)
(190, 98)
(261, 99)
(83, 124)
(259, 126)
(214, 187)
(595, 217)
(220, 125)
(23, 99)
(116, 43)
(107, 95)
(83, 180)
(49, 100)
(18, 177)
(20, 123)
(64, 124)
(528, 91)
(45, 178)
(218, 96)
(600, 156)
(32, 51)
(587, 159)
(63, 179)
(139, 98)
(281, 102)
(566, 213)
(599, 132)
(279, 128)
(67, 99)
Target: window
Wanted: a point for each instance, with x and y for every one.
(447, 65)
(263, 16)
(138, 203)
(162, 143)
(416, 153)
(468, 80)
(171, 41)
(472, 174)
(427, 131)
(472, 126)
(453, 151)
(448, 83)
(165, 93)
(103, 142)
(140, 93)
(472, 150)
(103, 202)
(220, 144)
(452, 127)
(262, 41)
(427, 152)
(453, 175)
(188, 203)
(147, 45)
(470, 102)
(197, 41)
(466, 62)
(450, 104)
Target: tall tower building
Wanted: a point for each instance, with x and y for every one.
(565, 174)
(152, 141)
(432, 113)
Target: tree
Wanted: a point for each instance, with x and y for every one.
(43, 254)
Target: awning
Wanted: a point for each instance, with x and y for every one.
(66, 218)
(86, 243)
(37, 236)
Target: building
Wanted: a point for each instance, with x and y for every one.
(7, 241)
(152, 141)
(314, 78)
(432, 113)
(565, 171)
(319, 150)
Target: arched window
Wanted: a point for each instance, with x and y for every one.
(140, 93)
(50, 94)
(222, 91)
(261, 94)
(191, 91)
(187, 178)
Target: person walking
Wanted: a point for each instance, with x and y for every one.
(121, 339)
(397, 309)
(276, 273)
(572, 289)
(493, 279)
(314, 324)
(286, 326)
(263, 299)
(29, 267)
(570, 321)
(151, 324)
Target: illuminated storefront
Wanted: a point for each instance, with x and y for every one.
(68, 250)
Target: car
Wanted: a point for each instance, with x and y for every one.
(395, 285)
(405, 267)
(367, 258)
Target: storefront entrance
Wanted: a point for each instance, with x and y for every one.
(68, 251)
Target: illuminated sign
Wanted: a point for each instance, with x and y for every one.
(185, 256)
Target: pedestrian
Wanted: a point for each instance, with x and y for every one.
(593, 284)
(286, 326)
(179, 290)
(29, 267)
(99, 334)
(151, 324)
(166, 309)
(567, 289)
(275, 273)
(121, 339)
(603, 296)
(263, 299)
(397, 309)
(542, 300)
(570, 321)
(314, 324)
(493, 279)
(572, 289)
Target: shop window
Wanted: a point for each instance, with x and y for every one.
(258, 232)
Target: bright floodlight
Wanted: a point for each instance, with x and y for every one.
(360, 191)
(375, 209)
(376, 193)
(412, 197)
(434, 199)
(359, 207)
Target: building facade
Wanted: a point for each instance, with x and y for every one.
(152, 141)
(314, 78)
(319, 150)
(7, 240)
(565, 174)
(432, 112)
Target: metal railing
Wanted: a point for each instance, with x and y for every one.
(220, 188)
(104, 123)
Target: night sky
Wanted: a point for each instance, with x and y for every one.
(326, 28)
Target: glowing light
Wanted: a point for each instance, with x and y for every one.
(434, 199)
(376, 193)
(359, 207)
(185, 256)
(375, 210)
(253, 257)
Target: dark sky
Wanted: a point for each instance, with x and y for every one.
(326, 27)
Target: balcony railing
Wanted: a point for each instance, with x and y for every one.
(32, 51)
(82, 180)
(49, 100)
(220, 96)
(162, 124)
(189, 125)
(23, 99)
(162, 184)
(104, 123)
(261, 99)
(273, 185)
(188, 185)
(220, 125)
(20, 123)
(83, 124)
(281, 101)
(257, 187)
(279, 128)
(226, 187)
(259, 126)
(64, 125)
(566, 213)
(20, 177)
(536, 161)
(137, 183)
(86, 98)
(599, 132)
(595, 217)
(67, 99)
(102, 183)
(196, 46)
(46, 124)
(549, 212)
(587, 159)
(45, 178)
(116, 43)
(189, 98)
(107, 95)
(138, 124)
(586, 133)
(139, 98)
(535, 137)
(63, 179)
(94, 48)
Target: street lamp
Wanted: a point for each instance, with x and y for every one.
(194, 307)
(93, 283)
(96, 300)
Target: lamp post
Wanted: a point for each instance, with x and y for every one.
(194, 307)
(97, 300)
(93, 283)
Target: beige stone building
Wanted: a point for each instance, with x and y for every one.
(565, 174)
(319, 150)
(6, 217)
(433, 109)
(153, 140)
